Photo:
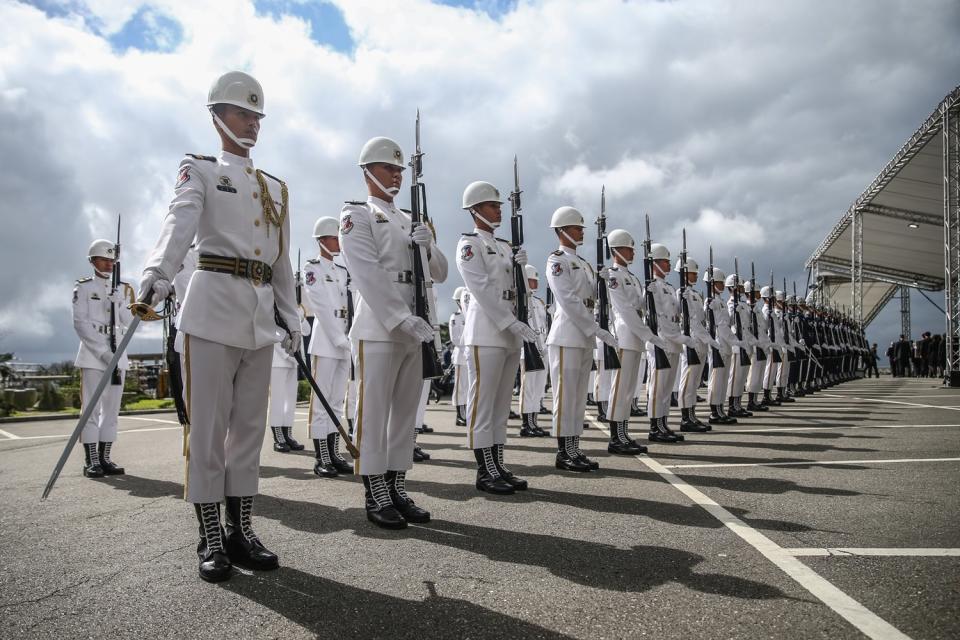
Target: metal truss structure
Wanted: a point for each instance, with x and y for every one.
(905, 311)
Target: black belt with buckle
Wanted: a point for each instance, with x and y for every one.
(405, 277)
(340, 313)
(254, 270)
(588, 303)
(509, 295)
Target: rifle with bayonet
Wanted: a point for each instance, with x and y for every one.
(115, 378)
(423, 284)
(532, 360)
(772, 323)
(549, 308)
(737, 324)
(660, 359)
(761, 355)
(692, 357)
(786, 320)
(717, 358)
(610, 358)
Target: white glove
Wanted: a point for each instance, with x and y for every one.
(417, 327)
(604, 272)
(152, 283)
(521, 257)
(106, 357)
(343, 342)
(522, 331)
(606, 337)
(422, 235)
(292, 343)
(115, 297)
(657, 341)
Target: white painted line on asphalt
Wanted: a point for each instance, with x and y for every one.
(909, 404)
(840, 427)
(860, 551)
(149, 419)
(813, 463)
(67, 435)
(867, 622)
(8, 435)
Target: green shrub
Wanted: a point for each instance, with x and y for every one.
(50, 398)
(303, 391)
(24, 399)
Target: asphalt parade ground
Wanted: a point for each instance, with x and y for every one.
(834, 517)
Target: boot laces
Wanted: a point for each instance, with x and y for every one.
(335, 452)
(570, 448)
(399, 485)
(92, 453)
(379, 491)
(488, 463)
(246, 519)
(324, 452)
(499, 448)
(210, 521)
(278, 435)
(105, 456)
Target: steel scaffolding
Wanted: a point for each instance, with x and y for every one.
(856, 266)
(904, 311)
(951, 235)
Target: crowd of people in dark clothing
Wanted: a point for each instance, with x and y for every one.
(923, 358)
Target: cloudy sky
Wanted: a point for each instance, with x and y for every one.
(752, 124)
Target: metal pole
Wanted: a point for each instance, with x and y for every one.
(951, 235)
(905, 311)
(856, 265)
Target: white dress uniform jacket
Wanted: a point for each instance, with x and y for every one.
(537, 316)
(698, 319)
(486, 266)
(325, 284)
(456, 338)
(626, 293)
(668, 315)
(376, 237)
(217, 201)
(91, 319)
(572, 280)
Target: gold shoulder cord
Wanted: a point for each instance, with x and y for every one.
(270, 215)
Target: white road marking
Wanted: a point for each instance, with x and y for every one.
(841, 427)
(8, 435)
(867, 622)
(67, 435)
(859, 551)
(813, 463)
(149, 419)
(909, 404)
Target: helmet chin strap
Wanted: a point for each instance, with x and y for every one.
(492, 225)
(246, 143)
(567, 236)
(391, 190)
(657, 271)
(620, 255)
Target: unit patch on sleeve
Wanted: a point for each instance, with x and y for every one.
(183, 177)
(310, 278)
(466, 253)
(556, 268)
(346, 224)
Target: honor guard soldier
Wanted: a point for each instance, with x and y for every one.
(386, 337)
(757, 330)
(660, 387)
(723, 342)
(739, 313)
(571, 339)
(238, 216)
(325, 283)
(533, 384)
(93, 299)
(283, 396)
(492, 335)
(458, 360)
(691, 374)
(785, 343)
(626, 294)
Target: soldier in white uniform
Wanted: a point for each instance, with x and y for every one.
(767, 311)
(386, 337)
(739, 368)
(725, 342)
(492, 335)
(283, 397)
(533, 384)
(325, 283)
(691, 374)
(626, 293)
(786, 340)
(458, 360)
(571, 339)
(92, 300)
(238, 216)
(760, 353)
(661, 381)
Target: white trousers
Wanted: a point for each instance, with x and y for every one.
(641, 390)
(350, 406)
(717, 381)
(331, 376)
(102, 425)
(533, 386)
(660, 384)
(690, 379)
(491, 371)
(283, 396)
(738, 375)
(604, 381)
(226, 394)
(624, 384)
(757, 370)
(389, 384)
(461, 385)
(570, 375)
(422, 408)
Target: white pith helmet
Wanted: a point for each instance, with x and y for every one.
(480, 191)
(381, 149)
(620, 238)
(326, 226)
(101, 249)
(659, 251)
(566, 217)
(531, 272)
(718, 276)
(239, 89)
(457, 293)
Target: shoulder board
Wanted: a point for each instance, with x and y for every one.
(558, 252)
(82, 280)
(272, 176)
(471, 234)
(197, 156)
(313, 261)
(502, 240)
(355, 202)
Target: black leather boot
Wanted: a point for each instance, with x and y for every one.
(288, 438)
(537, 429)
(243, 546)
(620, 443)
(513, 415)
(425, 428)
(567, 458)
(737, 410)
(753, 405)
(769, 400)
(419, 455)
(519, 484)
(324, 466)
(109, 467)
(594, 465)
(544, 411)
(727, 419)
(673, 400)
(715, 416)
(396, 485)
(488, 476)
(687, 423)
(350, 427)
(698, 421)
(782, 396)
(660, 432)
(91, 461)
(339, 462)
(214, 564)
(526, 428)
(602, 411)
(590, 401)
(279, 442)
(461, 415)
(379, 506)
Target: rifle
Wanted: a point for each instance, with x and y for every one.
(610, 358)
(761, 355)
(298, 283)
(711, 321)
(661, 361)
(738, 325)
(549, 308)
(423, 284)
(786, 325)
(692, 357)
(532, 360)
(771, 323)
(353, 373)
(115, 379)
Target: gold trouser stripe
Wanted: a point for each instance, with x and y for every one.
(476, 392)
(186, 428)
(559, 406)
(310, 402)
(616, 386)
(456, 383)
(523, 380)
(358, 425)
(656, 381)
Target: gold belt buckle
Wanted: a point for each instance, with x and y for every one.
(255, 268)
